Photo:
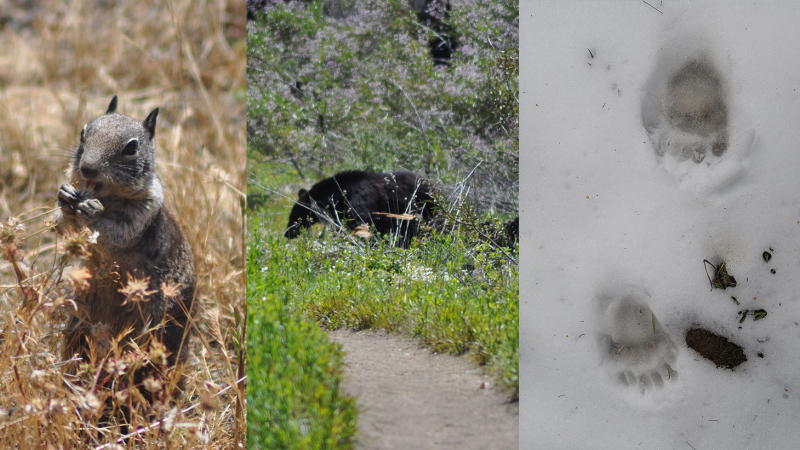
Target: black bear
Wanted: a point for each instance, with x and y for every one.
(355, 197)
(434, 15)
(511, 229)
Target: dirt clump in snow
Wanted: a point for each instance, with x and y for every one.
(716, 348)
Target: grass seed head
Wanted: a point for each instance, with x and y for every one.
(219, 175)
(208, 402)
(169, 420)
(37, 378)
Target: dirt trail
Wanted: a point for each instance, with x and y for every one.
(412, 399)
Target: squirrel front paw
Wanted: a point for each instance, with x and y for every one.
(78, 202)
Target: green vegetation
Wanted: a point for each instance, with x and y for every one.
(359, 91)
(294, 372)
(457, 295)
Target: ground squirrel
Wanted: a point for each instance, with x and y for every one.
(115, 192)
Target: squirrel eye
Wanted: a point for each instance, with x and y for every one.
(131, 147)
(83, 133)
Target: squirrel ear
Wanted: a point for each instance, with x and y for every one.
(150, 123)
(112, 108)
(302, 195)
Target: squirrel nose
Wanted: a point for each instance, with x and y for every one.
(89, 172)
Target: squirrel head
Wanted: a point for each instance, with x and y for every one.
(116, 156)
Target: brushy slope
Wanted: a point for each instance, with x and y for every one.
(360, 91)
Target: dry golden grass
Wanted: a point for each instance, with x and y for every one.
(60, 64)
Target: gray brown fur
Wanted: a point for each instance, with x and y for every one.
(115, 191)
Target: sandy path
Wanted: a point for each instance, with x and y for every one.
(412, 399)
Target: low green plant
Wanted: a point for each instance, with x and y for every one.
(294, 373)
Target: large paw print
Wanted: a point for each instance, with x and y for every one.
(690, 121)
(637, 351)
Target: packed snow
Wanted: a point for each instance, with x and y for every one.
(657, 135)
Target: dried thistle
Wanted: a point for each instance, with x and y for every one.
(77, 243)
(78, 279)
(116, 367)
(10, 251)
(106, 272)
(152, 385)
(56, 408)
(34, 406)
(157, 353)
(121, 396)
(90, 403)
(170, 289)
(133, 359)
(10, 229)
(38, 378)
(136, 290)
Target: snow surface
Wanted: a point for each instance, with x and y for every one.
(614, 233)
